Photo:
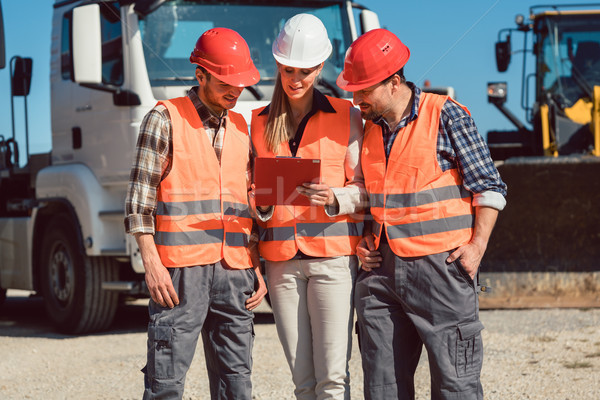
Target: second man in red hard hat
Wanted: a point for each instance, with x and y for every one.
(434, 197)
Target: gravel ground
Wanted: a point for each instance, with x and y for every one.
(544, 354)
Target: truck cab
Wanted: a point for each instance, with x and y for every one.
(61, 216)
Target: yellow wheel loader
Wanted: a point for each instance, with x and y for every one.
(545, 249)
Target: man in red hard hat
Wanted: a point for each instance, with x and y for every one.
(434, 197)
(187, 206)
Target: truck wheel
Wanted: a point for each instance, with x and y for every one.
(71, 282)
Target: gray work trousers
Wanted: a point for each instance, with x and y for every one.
(411, 302)
(212, 301)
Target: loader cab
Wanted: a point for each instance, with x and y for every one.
(565, 46)
(568, 57)
(567, 49)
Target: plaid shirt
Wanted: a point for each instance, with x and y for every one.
(154, 154)
(459, 146)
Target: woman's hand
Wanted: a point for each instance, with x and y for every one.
(319, 194)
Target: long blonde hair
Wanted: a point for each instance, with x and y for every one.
(279, 126)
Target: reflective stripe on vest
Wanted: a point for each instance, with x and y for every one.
(202, 214)
(203, 207)
(312, 229)
(423, 209)
(418, 199)
(305, 228)
(189, 238)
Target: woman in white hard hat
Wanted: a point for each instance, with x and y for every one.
(310, 250)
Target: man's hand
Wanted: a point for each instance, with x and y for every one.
(470, 256)
(367, 254)
(161, 287)
(319, 194)
(260, 293)
(157, 275)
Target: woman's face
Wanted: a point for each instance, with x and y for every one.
(296, 82)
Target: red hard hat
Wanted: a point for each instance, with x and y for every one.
(226, 56)
(371, 58)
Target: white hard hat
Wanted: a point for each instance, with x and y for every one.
(302, 43)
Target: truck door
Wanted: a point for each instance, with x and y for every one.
(89, 126)
(68, 104)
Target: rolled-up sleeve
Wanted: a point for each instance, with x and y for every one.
(151, 162)
(462, 145)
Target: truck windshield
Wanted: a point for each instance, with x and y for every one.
(569, 64)
(170, 33)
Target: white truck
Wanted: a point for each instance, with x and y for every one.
(61, 215)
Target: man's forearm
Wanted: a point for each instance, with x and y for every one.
(485, 219)
(148, 251)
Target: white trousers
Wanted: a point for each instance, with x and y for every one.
(312, 303)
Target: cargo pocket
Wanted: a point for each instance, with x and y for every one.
(160, 356)
(469, 349)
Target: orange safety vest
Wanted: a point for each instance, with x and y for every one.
(308, 228)
(423, 210)
(202, 213)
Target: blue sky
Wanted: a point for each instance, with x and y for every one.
(451, 43)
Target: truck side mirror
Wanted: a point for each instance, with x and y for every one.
(87, 44)
(20, 80)
(368, 21)
(503, 55)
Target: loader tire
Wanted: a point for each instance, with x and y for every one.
(71, 282)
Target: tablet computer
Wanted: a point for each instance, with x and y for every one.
(275, 179)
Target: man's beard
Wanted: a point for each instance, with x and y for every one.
(370, 115)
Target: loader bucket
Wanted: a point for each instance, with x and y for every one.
(545, 248)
